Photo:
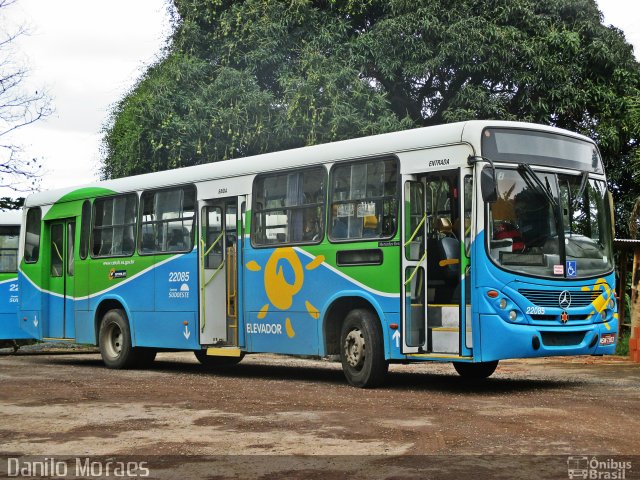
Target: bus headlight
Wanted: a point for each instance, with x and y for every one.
(603, 315)
(513, 315)
(503, 303)
(612, 304)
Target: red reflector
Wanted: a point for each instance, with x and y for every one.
(185, 323)
(393, 326)
(492, 294)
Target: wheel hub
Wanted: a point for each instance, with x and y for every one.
(354, 348)
(114, 342)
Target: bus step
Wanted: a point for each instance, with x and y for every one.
(443, 315)
(224, 351)
(445, 339)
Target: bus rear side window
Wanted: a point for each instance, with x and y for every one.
(114, 222)
(32, 236)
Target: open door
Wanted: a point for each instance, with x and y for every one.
(60, 272)
(436, 302)
(219, 249)
(414, 338)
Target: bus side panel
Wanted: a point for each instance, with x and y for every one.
(9, 320)
(177, 330)
(289, 290)
(31, 301)
(159, 300)
(280, 313)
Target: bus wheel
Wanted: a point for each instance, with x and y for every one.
(212, 361)
(362, 349)
(475, 371)
(114, 339)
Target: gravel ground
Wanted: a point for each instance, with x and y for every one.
(281, 417)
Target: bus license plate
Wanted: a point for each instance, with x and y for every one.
(608, 339)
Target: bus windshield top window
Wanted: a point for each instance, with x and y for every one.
(289, 207)
(523, 224)
(363, 200)
(9, 236)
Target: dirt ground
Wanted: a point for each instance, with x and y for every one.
(281, 417)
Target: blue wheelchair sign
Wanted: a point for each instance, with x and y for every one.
(572, 268)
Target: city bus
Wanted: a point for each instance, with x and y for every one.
(466, 243)
(10, 331)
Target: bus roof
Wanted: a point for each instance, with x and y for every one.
(377, 145)
(10, 217)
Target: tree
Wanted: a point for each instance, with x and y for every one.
(18, 108)
(246, 77)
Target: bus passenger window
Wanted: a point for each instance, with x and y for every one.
(9, 236)
(363, 200)
(167, 220)
(289, 207)
(114, 221)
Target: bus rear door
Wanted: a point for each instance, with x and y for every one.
(220, 250)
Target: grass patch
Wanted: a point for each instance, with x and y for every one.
(622, 347)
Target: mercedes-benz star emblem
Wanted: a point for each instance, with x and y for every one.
(564, 300)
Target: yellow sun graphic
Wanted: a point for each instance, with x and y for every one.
(280, 292)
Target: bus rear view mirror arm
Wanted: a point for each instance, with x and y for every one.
(488, 183)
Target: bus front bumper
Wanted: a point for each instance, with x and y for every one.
(501, 340)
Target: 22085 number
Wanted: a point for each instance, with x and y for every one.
(535, 310)
(178, 276)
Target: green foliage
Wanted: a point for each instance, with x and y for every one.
(252, 76)
(622, 347)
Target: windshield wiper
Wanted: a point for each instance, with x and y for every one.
(534, 182)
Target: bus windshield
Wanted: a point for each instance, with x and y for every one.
(553, 225)
(9, 249)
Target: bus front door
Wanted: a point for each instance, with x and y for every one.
(218, 272)
(59, 309)
(437, 220)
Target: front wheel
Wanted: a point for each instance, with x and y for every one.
(362, 349)
(475, 371)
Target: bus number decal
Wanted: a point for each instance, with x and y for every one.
(13, 287)
(178, 276)
(535, 310)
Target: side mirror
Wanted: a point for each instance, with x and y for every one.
(488, 184)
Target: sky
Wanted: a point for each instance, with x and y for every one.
(87, 54)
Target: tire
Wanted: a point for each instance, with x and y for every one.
(211, 361)
(114, 339)
(475, 371)
(144, 356)
(362, 349)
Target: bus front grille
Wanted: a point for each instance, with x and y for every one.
(551, 298)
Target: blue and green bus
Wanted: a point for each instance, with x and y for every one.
(467, 243)
(10, 331)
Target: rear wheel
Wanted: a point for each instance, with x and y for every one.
(362, 349)
(475, 371)
(114, 339)
(212, 361)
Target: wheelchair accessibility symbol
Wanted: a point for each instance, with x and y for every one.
(572, 269)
